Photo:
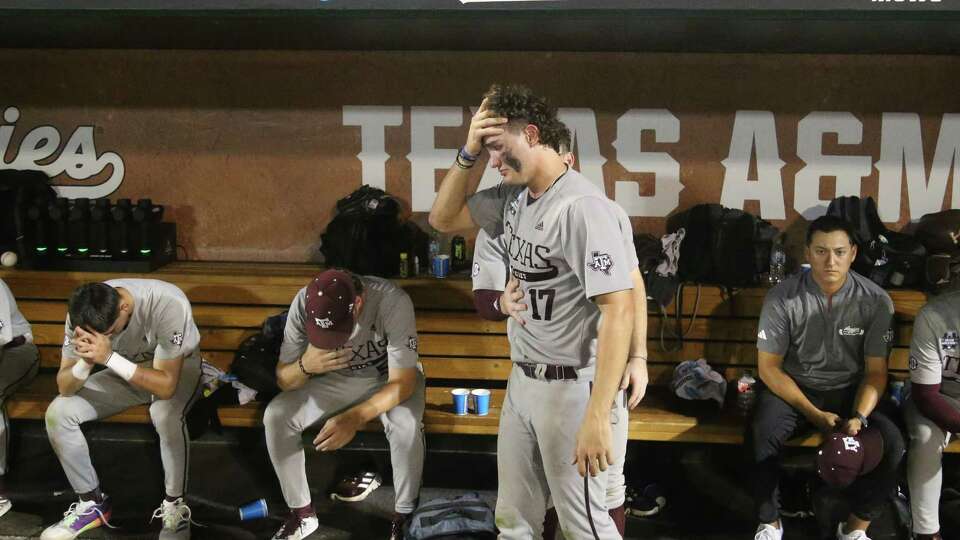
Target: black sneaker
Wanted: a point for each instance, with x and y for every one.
(644, 503)
(356, 488)
(398, 526)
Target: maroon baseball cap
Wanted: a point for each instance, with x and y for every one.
(329, 307)
(842, 458)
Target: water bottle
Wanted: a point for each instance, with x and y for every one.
(896, 392)
(778, 260)
(434, 249)
(746, 393)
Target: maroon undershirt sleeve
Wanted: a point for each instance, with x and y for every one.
(487, 304)
(930, 403)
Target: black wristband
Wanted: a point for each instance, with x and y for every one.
(302, 369)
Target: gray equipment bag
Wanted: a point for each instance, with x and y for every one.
(464, 517)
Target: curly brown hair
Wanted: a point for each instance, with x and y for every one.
(519, 104)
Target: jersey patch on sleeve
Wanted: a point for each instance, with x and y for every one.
(412, 343)
(947, 343)
(888, 336)
(476, 269)
(762, 335)
(177, 339)
(914, 363)
(600, 262)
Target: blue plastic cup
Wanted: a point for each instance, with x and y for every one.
(481, 401)
(253, 510)
(460, 400)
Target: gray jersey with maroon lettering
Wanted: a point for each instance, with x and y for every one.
(935, 347)
(384, 337)
(161, 325)
(565, 247)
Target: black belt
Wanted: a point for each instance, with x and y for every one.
(15, 342)
(549, 372)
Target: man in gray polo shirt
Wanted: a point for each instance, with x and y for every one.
(823, 340)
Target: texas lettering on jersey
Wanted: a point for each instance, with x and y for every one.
(532, 259)
(371, 353)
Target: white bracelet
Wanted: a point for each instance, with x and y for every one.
(121, 366)
(81, 370)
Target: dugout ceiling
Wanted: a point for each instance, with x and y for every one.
(769, 26)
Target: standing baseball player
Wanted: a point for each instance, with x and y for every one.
(933, 407)
(823, 341)
(489, 279)
(19, 361)
(349, 355)
(567, 258)
(142, 331)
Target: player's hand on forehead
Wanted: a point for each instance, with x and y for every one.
(484, 124)
(82, 335)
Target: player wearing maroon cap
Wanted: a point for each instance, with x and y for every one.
(349, 355)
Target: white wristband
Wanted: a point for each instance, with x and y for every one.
(121, 366)
(81, 370)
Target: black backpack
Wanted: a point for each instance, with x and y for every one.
(255, 362)
(366, 236)
(724, 246)
(19, 190)
(888, 258)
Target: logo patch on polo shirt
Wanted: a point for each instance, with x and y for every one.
(851, 331)
(762, 335)
(888, 336)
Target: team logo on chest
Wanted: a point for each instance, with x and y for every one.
(600, 262)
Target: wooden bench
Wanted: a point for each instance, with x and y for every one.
(231, 300)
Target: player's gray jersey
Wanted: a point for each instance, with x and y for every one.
(384, 337)
(565, 248)
(935, 347)
(487, 205)
(489, 262)
(161, 325)
(12, 322)
(825, 349)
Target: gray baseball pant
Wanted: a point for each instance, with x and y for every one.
(105, 394)
(18, 366)
(535, 450)
(292, 412)
(925, 467)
